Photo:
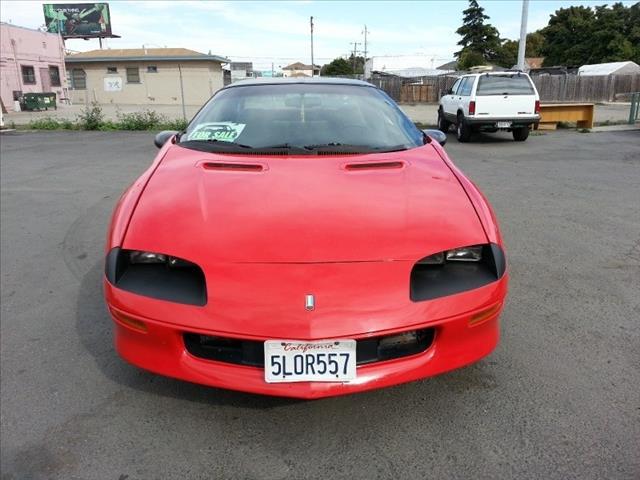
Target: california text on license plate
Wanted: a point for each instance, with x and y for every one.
(318, 361)
(504, 124)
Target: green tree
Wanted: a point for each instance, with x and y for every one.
(470, 58)
(343, 66)
(508, 54)
(614, 39)
(535, 44)
(569, 36)
(478, 37)
(577, 36)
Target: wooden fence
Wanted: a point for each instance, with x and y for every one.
(552, 88)
(414, 90)
(574, 88)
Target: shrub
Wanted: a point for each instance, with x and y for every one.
(178, 124)
(46, 123)
(68, 124)
(108, 125)
(91, 118)
(144, 120)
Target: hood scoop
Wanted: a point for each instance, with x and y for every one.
(374, 166)
(233, 166)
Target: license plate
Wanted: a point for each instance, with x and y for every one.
(318, 361)
(504, 124)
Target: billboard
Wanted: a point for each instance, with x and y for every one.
(78, 20)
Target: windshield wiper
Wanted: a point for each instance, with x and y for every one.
(348, 148)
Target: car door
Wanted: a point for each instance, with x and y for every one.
(448, 100)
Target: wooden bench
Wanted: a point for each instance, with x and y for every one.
(552, 113)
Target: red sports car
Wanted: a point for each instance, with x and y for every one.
(303, 238)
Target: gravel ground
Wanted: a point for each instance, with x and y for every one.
(558, 399)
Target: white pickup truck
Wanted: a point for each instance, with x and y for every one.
(490, 102)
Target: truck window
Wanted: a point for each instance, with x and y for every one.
(504, 85)
(465, 87)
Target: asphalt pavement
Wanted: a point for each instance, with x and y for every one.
(558, 399)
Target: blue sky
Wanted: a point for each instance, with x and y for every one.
(278, 32)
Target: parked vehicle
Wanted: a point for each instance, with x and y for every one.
(490, 102)
(303, 238)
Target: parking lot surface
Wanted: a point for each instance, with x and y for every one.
(558, 399)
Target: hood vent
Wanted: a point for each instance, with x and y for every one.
(374, 166)
(237, 167)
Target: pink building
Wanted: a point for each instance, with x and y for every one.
(30, 61)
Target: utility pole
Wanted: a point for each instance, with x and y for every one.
(365, 51)
(523, 34)
(355, 52)
(312, 64)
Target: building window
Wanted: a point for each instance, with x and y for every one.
(152, 69)
(112, 69)
(54, 75)
(133, 75)
(28, 75)
(78, 79)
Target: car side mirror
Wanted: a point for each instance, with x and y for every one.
(163, 137)
(436, 135)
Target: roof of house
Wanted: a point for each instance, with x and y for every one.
(534, 62)
(609, 68)
(453, 65)
(299, 66)
(300, 80)
(138, 54)
(403, 65)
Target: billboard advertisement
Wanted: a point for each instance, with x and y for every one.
(78, 20)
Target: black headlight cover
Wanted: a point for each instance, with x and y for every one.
(182, 284)
(428, 282)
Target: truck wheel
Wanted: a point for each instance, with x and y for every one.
(520, 134)
(443, 124)
(463, 131)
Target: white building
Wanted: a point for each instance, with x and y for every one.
(403, 65)
(300, 69)
(612, 68)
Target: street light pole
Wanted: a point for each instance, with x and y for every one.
(364, 68)
(523, 34)
(312, 64)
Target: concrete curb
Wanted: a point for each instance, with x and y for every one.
(616, 128)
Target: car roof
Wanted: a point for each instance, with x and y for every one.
(502, 72)
(300, 80)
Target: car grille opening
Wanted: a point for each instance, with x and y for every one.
(251, 352)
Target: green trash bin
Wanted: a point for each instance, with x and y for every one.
(38, 101)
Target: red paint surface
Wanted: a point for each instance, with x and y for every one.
(304, 224)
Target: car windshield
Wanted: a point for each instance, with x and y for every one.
(304, 118)
(514, 84)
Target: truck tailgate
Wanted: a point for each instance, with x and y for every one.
(505, 106)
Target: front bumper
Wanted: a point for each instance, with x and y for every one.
(458, 341)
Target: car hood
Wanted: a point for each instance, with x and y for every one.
(219, 208)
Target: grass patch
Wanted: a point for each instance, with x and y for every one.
(92, 118)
